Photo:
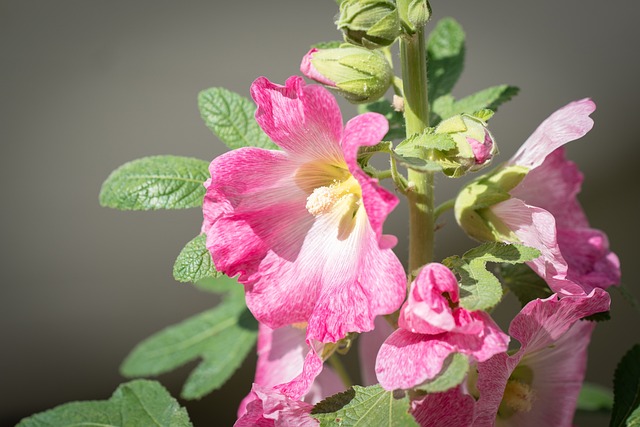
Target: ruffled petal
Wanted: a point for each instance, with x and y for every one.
(368, 347)
(567, 124)
(270, 408)
(367, 130)
(311, 368)
(535, 227)
(452, 408)
(304, 120)
(554, 187)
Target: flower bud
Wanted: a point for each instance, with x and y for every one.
(369, 23)
(474, 144)
(473, 204)
(418, 13)
(358, 74)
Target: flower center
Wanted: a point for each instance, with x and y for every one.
(518, 397)
(325, 198)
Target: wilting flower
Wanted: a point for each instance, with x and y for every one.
(302, 227)
(539, 385)
(431, 327)
(532, 200)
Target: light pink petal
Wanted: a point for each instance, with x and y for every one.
(368, 347)
(427, 311)
(535, 227)
(452, 408)
(270, 408)
(590, 261)
(567, 124)
(304, 120)
(312, 366)
(307, 68)
(492, 380)
(367, 130)
(481, 150)
(554, 187)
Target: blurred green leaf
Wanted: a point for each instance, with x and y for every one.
(626, 390)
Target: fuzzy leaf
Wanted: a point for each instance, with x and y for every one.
(395, 118)
(453, 373)
(490, 98)
(479, 288)
(593, 397)
(365, 406)
(525, 284)
(419, 145)
(231, 118)
(157, 182)
(136, 403)
(222, 337)
(194, 262)
(445, 57)
(626, 389)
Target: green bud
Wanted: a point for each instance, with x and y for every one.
(475, 146)
(419, 13)
(369, 23)
(472, 207)
(358, 74)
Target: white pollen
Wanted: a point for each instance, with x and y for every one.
(321, 200)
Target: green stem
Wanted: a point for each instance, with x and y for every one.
(443, 207)
(416, 113)
(339, 369)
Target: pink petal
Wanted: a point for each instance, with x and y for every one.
(307, 68)
(301, 119)
(535, 227)
(368, 347)
(312, 366)
(270, 408)
(567, 124)
(452, 408)
(367, 130)
(554, 187)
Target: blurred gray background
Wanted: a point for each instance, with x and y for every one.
(88, 85)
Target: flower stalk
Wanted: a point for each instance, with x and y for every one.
(416, 113)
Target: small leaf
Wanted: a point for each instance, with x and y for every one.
(417, 164)
(222, 337)
(445, 57)
(365, 406)
(453, 373)
(525, 284)
(395, 118)
(157, 182)
(194, 262)
(490, 98)
(419, 145)
(626, 389)
(594, 397)
(480, 289)
(231, 118)
(333, 44)
(136, 403)
(485, 114)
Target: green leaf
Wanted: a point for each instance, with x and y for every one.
(395, 118)
(419, 145)
(479, 288)
(453, 373)
(194, 262)
(445, 57)
(626, 389)
(222, 337)
(594, 397)
(418, 164)
(365, 406)
(157, 182)
(490, 98)
(231, 118)
(136, 403)
(525, 284)
(333, 44)
(634, 418)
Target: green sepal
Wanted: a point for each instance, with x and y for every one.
(453, 373)
(333, 44)
(136, 403)
(365, 406)
(231, 118)
(194, 262)
(479, 288)
(222, 337)
(626, 390)
(156, 182)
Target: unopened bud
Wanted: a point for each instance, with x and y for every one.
(475, 146)
(358, 74)
(419, 13)
(369, 23)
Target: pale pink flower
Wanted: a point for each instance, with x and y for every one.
(271, 408)
(539, 385)
(302, 227)
(544, 213)
(431, 327)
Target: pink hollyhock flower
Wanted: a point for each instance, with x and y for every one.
(452, 408)
(302, 227)
(288, 370)
(543, 211)
(431, 327)
(539, 385)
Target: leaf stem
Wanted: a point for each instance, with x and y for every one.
(443, 207)
(339, 369)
